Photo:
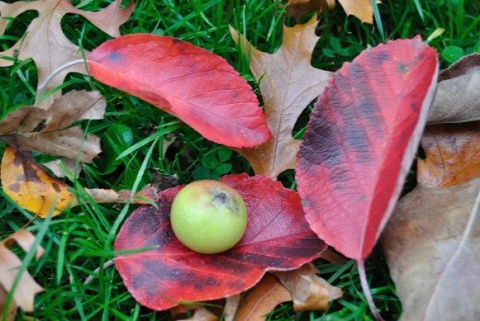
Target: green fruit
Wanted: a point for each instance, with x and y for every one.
(208, 216)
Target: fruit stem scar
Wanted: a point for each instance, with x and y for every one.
(224, 199)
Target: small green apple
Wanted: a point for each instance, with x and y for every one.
(208, 216)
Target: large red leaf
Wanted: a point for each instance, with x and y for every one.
(277, 238)
(360, 142)
(195, 85)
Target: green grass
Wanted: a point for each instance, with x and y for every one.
(79, 242)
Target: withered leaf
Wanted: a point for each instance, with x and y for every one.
(432, 245)
(298, 8)
(362, 9)
(27, 287)
(262, 299)
(288, 83)
(71, 143)
(30, 186)
(458, 98)
(54, 137)
(44, 41)
(452, 154)
(308, 290)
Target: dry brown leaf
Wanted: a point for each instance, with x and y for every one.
(452, 154)
(298, 8)
(146, 195)
(432, 245)
(12, 308)
(71, 143)
(362, 9)
(262, 299)
(54, 137)
(288, 83)
(309, 291)
(44, 41)
(27, 287)
(30, 186)
(458, 93)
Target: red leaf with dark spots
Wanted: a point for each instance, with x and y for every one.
(195, 85)
(360, 142)
(277, 238)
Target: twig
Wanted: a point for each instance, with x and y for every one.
(93, 275)
(366, 290)
(69, 64)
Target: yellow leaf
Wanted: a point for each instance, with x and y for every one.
(30, 186)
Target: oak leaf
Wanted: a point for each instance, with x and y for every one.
(44, 41)
(26, 288)
(432, 246)
(288, 83)
(49, 131)
(362, 9)
(457, 99)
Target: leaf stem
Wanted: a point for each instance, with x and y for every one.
(366, 290)
(69, 64)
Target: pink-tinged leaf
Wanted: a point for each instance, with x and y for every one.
(277, 238)
(360, 142)
(193, 84)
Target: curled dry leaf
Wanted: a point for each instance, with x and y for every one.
(308, 290)
(432, 245)
(231, 306)
(30, 186)
(458, 99)
(9, 263)
(288, 83)
(195, 85)
(44, 41)
(201, 314)
(49, 131)
(452, 154)
(360, 141)
(277, 238)
(262, 299)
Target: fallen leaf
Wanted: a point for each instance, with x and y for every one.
(195, 85)
(30, 187)
(277, 238)
(288, 83)
(452, 154)
(432, 246)
(457, 99)
(12, 308)
(309, 291)
(362, 9)
(360, 141)
(262, 299)
(9, 263)
(298, 8)
(44, 41)
(71, 143)
(48, 131)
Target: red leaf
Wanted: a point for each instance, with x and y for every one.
(360, 142)
(277, 238)
(195, 85)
